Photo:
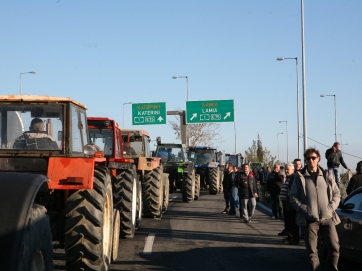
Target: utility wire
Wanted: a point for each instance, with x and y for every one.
(328, 147)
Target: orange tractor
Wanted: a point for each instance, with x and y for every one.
(155, 184)
(55, 187)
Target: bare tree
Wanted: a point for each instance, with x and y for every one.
(256, 154)
(204, 134)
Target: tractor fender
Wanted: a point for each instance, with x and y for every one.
(17, 194)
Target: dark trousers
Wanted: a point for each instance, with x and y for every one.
(277, 210)
(290, 224)
(227, 199)
(330, 239)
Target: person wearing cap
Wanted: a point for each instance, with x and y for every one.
(35, 138)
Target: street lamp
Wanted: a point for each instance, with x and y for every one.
(32, 72)
(278, 144)
(187, 84)
(286, 125)
(123, 111)
(303, 81)
(296, 63)
(335, 114)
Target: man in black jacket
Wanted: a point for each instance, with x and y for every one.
(274, 184)
(334, 159)
(356, 180)
(225, 185)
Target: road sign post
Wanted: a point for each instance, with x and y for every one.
(209, 111)
(148, 113)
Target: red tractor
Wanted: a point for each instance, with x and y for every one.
(155, 185)
(55, 187)
(127, 190)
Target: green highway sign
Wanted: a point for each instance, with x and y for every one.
(149, 113)
(209, 111)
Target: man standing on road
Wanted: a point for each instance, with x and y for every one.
(315, 196)
(274, 184)
(263, 179)
(225, 185)
(247, 193)
(334, 159)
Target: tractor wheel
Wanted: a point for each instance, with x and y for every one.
(197, 186)
(37, 249)
(152, 193)
(166, 192)
(188, 187)
(116, 230)
(125, 200)
(214, 180)
(221, 188)
(139, 205)
(88, 225)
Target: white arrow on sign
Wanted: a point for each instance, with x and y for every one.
(160, 119)
(193, 116)
(227, 115)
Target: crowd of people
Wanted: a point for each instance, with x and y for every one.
(305, 198)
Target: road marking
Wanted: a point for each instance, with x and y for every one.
(173, 198)
(264, 207)
(149, 243)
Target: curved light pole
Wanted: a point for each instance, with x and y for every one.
(32, 72)
(123, 111)
(335, 114)
(296, 63)
(286, 125)
(278, 145)
(187, 84)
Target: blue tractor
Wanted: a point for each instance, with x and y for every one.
(209, 165)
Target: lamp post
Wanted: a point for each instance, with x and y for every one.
(123, 111)
(187, 84)
(32, 72)
(296, 64)
(278, 144)
(305, 135)
(335, 113)
(286, 125)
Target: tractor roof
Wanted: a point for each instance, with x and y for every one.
(171, 145)
(136, 131)
(201, 148)
(38, 99)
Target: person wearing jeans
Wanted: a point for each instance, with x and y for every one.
(334, 159)
(315, 196)
(247, 193)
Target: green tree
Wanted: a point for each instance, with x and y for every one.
(257, 154)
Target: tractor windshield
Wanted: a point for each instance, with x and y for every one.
(170, 154)
(201, 157)
(31, 126)
(103, 138)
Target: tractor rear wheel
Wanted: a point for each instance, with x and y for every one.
(125, 199)
(188, 187)
(152, 193)
(166, 192)
(139, 205)
(88, 225)
(37, 252)
(214, 180)
(197, 186)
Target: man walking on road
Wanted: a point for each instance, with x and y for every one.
(225, 185)
(274, 184)
(315, 196)
(247, 193)
(334, 159)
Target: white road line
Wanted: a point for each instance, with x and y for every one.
(149, 243)
(173, 198)
(264, 207)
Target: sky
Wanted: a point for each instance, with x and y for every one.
(107, 53)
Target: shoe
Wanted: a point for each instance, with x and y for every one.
(274, 217)
(246, 221)
(225, 211)
(286, 240)
(250, 218)
(229, 213)
(283, 233)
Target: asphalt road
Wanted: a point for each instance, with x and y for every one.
(197, 236)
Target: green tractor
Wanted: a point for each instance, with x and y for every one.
(181, 172)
